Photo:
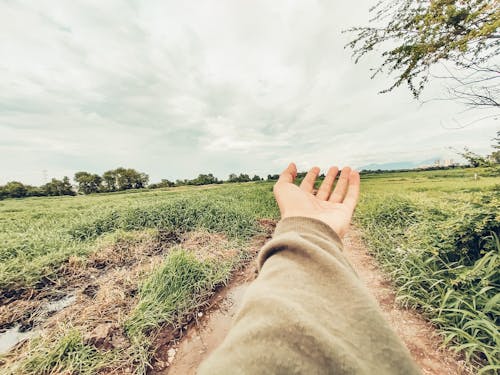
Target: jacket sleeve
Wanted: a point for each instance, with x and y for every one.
(308, 313)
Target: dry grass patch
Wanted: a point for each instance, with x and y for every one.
(208, 246)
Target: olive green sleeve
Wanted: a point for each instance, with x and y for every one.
(308, 313)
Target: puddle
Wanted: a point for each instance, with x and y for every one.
(200, 341)
(14, 335)
(60, 304)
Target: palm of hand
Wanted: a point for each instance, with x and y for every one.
(333, 208)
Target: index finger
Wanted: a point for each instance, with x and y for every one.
(289, 174)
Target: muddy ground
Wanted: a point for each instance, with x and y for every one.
(418, 335)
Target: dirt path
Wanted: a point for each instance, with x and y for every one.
(212, 328)
(418, 335)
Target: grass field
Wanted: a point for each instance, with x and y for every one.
(50, 245)
(435, 232)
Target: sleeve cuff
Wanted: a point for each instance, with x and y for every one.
(306, 226)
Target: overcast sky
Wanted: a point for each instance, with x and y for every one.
(177, 88)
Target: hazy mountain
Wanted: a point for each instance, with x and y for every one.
(398, 165)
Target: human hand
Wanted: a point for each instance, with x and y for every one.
(333, 208)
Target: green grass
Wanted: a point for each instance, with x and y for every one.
(40, 235)
(37, 235)
(69, 355)
(180, 287)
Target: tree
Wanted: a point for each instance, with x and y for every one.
(124, 179)
(256, 178)
(162, 184)
(179, 182)
(476, 160)
(415, 35)
(14, 189)
(110, 180)
(241, 178)
(57, 187)
(88, 183)
(495, 155)
(204, 179)
(34, 191)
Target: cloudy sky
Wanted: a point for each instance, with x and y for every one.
(177, 88)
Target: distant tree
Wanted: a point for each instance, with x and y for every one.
(256, 178)
(34, 191)
(124, 179)
(58, 187)
(241, 178)
(273, 177)
(162, 184)
(415, 35)
(110, 181)
(476, 160)
(180, 182)
(142, 181)
(204, 179)
(495, 155)
(88, 183)
(14, 189)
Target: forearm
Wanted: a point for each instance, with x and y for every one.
(308, 312)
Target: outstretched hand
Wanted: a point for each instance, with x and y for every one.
(334, 208)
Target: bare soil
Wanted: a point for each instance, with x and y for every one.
(419, 336)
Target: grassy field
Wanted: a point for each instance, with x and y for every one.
(38, 234)
(150, 260)
(148, 239)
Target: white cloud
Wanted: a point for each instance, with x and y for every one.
(180, 88)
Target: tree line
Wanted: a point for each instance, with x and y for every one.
(15, 189)
(118, 179)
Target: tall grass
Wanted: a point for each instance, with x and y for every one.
(37, 235)
(444, 257)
